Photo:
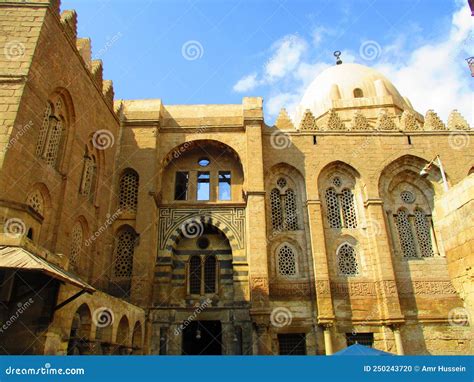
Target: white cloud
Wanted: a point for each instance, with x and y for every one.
(435, 75)
(286, 57)
(432, 74)
(246, 83)
(286, 54)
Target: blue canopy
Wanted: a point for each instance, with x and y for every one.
(357, 349)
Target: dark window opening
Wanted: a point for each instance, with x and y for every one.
(203, 242)
(203, 186)
(358, 93)
(204, 162)
(409, 139)
(195, 275)
(181, 186)
(366, 339)
(292, 344)
(315, 140)
(29, 235)
(210, 274)
(224, 185)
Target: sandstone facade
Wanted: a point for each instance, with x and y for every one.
(201, 229)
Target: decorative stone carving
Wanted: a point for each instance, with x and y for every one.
(230, 220)
(300, 290)
(334, 122)
(283, 121)
(259, 289)
(364, 289)
(308, 122)
(359, 122)
(433, 122)
(428, 287)
(323, 288)
(408, 121)
(385, 122)
(457, 122)
(387, 287)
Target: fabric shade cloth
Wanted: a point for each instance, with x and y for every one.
(357, 349)
(20, 258)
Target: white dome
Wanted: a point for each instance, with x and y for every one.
(335, 86)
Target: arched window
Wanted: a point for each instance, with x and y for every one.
(277, 214)
(36, 202)
(422, 229)
(405, 234)
(202, 274)
(284, 207)
(358, 93)
(123, 262)
(347, 260)
(333, 209)
(195, 275)
(286, 261)
(340, 204)
(210, 274)
(88, 175)
(128, 194)
(124, 254)
(77, 238)
(51, 133)
(348, 210)
(290, 211)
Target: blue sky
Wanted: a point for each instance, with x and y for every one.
(219, 51)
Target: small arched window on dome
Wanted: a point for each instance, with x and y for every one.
(358, 93)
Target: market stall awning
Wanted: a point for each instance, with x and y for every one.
(20, 258)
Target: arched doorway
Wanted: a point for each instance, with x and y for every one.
(80, 331)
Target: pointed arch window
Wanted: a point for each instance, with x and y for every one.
(128, 194)
(423, 236)
(36, 202)
(347, 260)
(414, 233)
(51, 134)
(341, 211)
(77, 238)
(89, 175)
(286, 261)
(284, 207)
(122, 268)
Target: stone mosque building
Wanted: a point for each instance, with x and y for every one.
(138, 227)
